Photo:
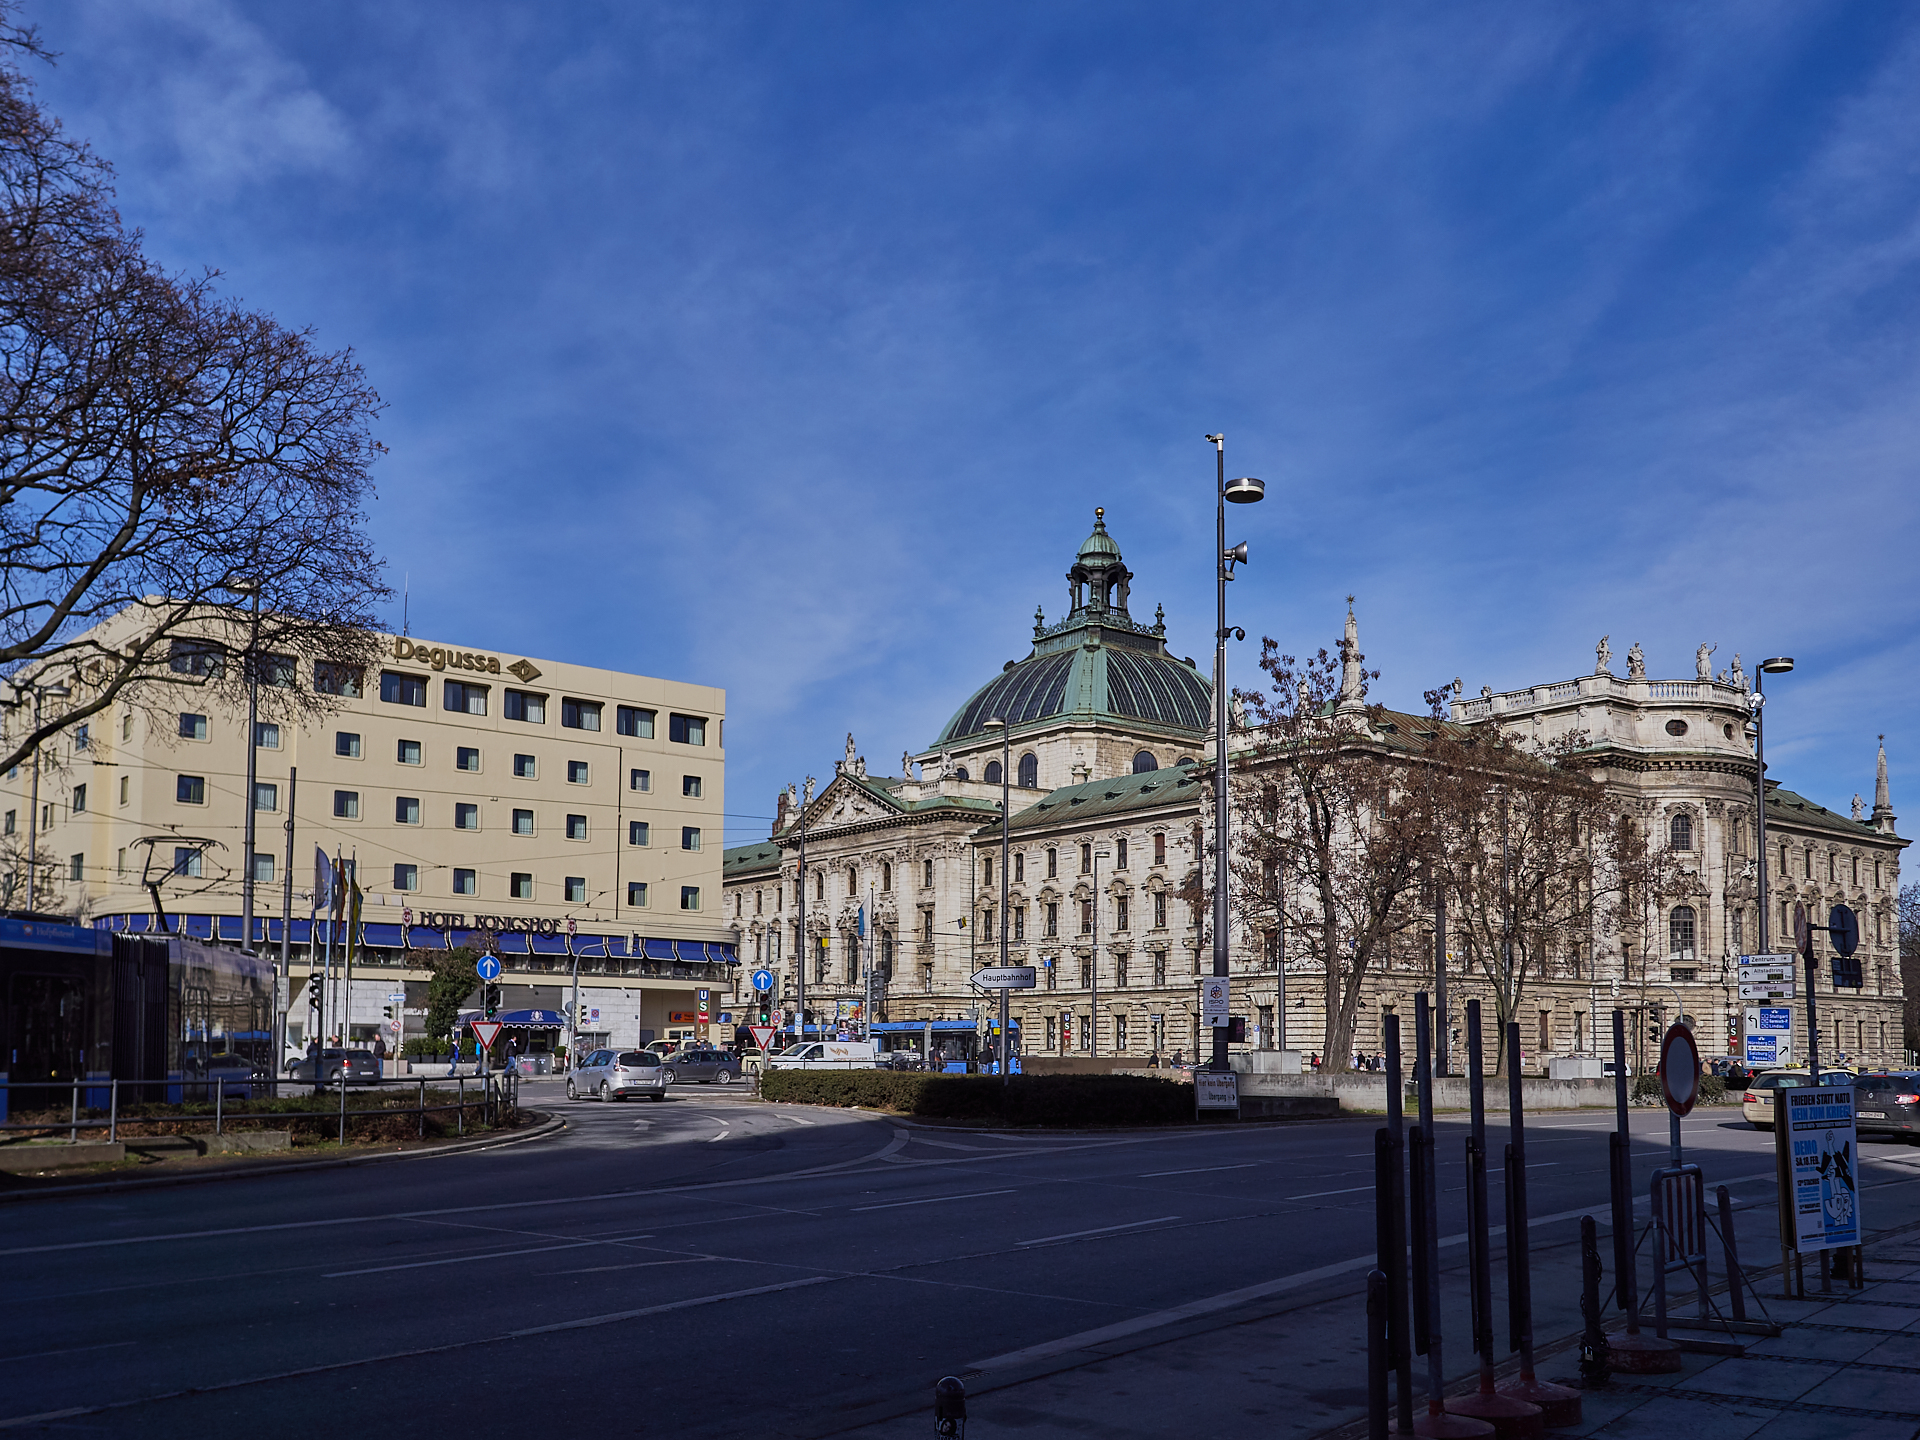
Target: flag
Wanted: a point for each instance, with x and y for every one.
(860, 923)
(322, 880)
(355, 900)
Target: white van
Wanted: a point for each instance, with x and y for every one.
(827, 1055)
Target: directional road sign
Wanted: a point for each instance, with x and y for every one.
(488, 967)
(1775, 990)
(396, 997)
(763, 979)
(1006, 977)
(487, 1030)
(762, 1035)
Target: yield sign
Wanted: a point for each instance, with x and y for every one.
(488, 1031)
(762, 1035)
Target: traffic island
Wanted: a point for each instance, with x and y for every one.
(1041, 1101)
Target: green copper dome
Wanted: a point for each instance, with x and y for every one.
(1097, 665)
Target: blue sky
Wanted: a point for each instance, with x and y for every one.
(789, 348)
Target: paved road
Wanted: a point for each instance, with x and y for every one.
(713, 1266)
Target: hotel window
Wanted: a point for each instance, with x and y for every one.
(399, 689)
(640, 780)
(12, 821)
(408, 752)
(332, 679)
(576, 889)
(406, 877)
(690, 786)
(196, 657)
(126, 789)
(466, 757)
(689, 897)
(346, 804)
(190, 789)
(576, 772)
(576, 827)
(346, 743)
(580, 714)
(637, 893)
(465, 882)
(76, 866)
(464, 699)
(406, 810)
(525, 705)
(466, 817)
(280, 671)
(524, 767)
(186, 861)
(79, 798)
(266, 795)
(82, 740)
(266, 735)
(523, 822)
(687, 729)
(520, 886)
(193, 727)
(689, 837)
(262, 868)
(639, 833)
(126, 726)
(628, 720)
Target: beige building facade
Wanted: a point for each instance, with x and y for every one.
(574, 811)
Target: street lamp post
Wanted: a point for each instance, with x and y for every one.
(996, 723)
(59, 692)
(250, 588)
(1778, 665)
(1243, 491)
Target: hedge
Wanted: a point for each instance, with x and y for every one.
(1024, 1100)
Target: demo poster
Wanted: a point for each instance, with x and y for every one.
(1826, 1198)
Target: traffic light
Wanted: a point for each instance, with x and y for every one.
(491, 1001)
(1237, 1030)
(1653, 1032)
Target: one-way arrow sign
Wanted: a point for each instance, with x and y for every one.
(1005, 977)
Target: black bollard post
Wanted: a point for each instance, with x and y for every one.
(1736, 1279)
(1595, 1369)
(1377, 1343)
(1395, 1263)
(1559, 1406)
(1511, 1419)
(950, 1406)
(1436, 1423)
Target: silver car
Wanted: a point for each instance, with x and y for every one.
(616, 1074)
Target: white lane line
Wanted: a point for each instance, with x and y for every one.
(1212, 1303)
(721, 1136)
(650, 1264)
(1316, 1194)
(620, 1315)
(489, 1255)
(76, 1350)
(1103, 1230)
(935, 1200)
(795, 1119)
(1202, 1169)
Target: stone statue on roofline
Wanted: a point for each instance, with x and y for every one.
(1237, 713)
(1636, 662)
(1859, 807)
(906, 764)
(1603, 657)
(1736, 676)
(1703, 661)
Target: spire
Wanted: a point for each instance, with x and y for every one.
(1883, 816)
(1099, 578)
(1352, 677)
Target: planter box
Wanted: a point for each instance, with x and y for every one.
(58, 1154)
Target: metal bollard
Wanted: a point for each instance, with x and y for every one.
(113, 1110)
(219, 1106)
(1377, 1346)
(73, 1130)
(1595, 1366)
(949, 1406)
(1736, 1280)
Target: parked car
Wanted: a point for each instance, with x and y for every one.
(359, 1066)
(702, 1063)
(1888, 1103)
(1756, 1105)
(616, 1074)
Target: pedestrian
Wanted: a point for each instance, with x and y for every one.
(1153, 1060)
(1316, 1062)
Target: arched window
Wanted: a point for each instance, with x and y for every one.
(1680, 835)
(960, 772)
(1186, 760)
(1680, 932)
(1029, 771)
(1144, 761)
(992, 776)
(853, 879)
(886, 875)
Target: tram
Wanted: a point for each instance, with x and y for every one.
(959, 1047)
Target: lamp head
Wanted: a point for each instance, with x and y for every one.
(996, 723)
(1779, 665)
(1238, 554)
(1246, 490)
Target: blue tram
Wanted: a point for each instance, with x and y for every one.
(959, 1047)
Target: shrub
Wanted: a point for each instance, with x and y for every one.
(1713, 1090)
(1026, 1100)
(1647, 1091)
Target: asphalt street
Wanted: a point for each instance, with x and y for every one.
(714, 1266)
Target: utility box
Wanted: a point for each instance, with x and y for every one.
(1575, 1067)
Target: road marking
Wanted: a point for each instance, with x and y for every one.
(1316, 1194)
(935, 1200)
(721, 1136)
(463, 1259)
(76, 1350)
(1202, 1169)
(619, 1315)
(1103, 1230)
(650, 1264)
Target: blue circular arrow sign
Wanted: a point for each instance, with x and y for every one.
(763, 979)
(488, 967)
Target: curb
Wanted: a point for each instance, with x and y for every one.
(552, 1126)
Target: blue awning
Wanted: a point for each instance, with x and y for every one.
(539, 1018)
(548, 944)
(386, 936)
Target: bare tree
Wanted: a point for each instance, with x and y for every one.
(1539, 865)
(1331, 836)
(182, 480)
(1909, 936)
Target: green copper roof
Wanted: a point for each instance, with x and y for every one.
(1080, 804)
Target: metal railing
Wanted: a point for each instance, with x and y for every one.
(492, 1099)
